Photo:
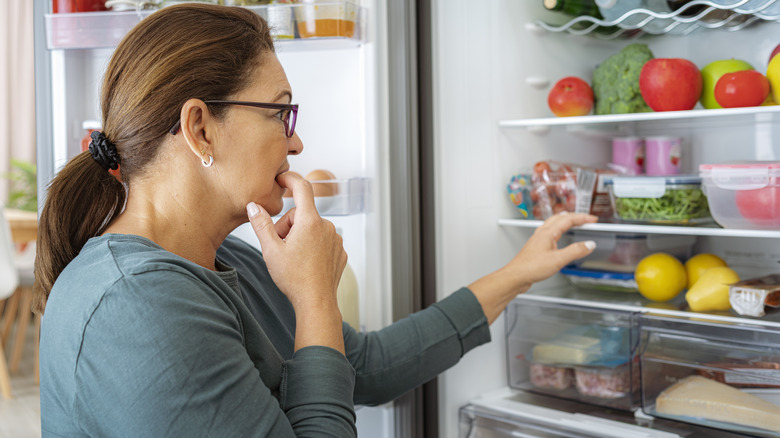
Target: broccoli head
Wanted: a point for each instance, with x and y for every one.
(616, 81)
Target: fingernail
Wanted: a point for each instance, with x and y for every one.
(590, 244)
(252, 209)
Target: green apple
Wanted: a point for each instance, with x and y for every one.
(710, 75)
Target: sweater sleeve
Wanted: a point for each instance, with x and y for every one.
(170, 357)
(415, 349)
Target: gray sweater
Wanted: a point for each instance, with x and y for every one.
(139, 342)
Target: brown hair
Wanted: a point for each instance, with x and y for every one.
(177, 53)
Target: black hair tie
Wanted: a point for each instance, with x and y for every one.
(103, 151)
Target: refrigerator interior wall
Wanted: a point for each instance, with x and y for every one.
(486, 59)
(342, 88)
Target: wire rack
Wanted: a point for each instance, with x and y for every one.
(682, 21)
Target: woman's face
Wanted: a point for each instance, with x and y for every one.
(255, 146)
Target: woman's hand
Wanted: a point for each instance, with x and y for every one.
(305, 258)
(537, 260)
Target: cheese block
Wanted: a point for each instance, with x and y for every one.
(697, 396)
(568, 349)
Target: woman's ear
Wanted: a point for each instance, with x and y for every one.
(197, 128)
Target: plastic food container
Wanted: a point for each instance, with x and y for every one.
(665, 200)
(601, 280)
(326, 18)
(743, 194)
(621, 252)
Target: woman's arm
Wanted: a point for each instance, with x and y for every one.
(411, 351)
(538, 259)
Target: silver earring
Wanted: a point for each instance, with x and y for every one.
(211, 161)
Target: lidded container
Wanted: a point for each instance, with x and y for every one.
(676, 199)
(744, 194)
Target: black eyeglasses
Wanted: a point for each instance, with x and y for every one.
(288, 113)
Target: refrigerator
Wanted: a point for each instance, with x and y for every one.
(424, 115)
(490, 69)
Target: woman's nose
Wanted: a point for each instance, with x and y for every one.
(294, 145)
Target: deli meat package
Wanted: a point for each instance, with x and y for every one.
(557, 187)
(749, 297)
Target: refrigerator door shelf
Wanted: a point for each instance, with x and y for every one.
(349, 198)
(95, 30)
(507, 413)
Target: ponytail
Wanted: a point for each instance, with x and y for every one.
(80, 202)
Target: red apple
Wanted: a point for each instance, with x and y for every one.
(774, 52)
(741, 88)
(570, 96)
(670, 84)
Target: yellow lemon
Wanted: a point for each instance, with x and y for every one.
(660, 277)
(696, 265)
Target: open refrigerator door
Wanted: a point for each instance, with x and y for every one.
(345, 76)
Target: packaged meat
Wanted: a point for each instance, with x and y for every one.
(606, 382)
(748, 297)
(753, 374)
(551, 377)
(558, 187)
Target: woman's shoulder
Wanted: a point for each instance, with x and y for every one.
(130, 267)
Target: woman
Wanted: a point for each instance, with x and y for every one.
(158, 322)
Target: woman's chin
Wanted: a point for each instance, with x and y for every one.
(274, 207)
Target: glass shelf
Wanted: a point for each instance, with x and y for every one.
(634, 302)
(653, 229)
(693, 117)
(682, 21)
(95, 30)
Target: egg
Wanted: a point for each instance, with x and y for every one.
(288, 192)
(323, 189)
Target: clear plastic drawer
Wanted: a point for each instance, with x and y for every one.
(720, 375)
(573, 352)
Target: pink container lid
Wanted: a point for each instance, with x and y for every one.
(741, 175)
(741, 165)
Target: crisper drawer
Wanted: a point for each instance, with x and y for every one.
(716, 374)
(573, 352)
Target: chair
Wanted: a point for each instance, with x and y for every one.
(24, 262)
(9, 280)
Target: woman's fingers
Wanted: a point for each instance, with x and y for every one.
(263, 225)
(302, 193)
(560, 223)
